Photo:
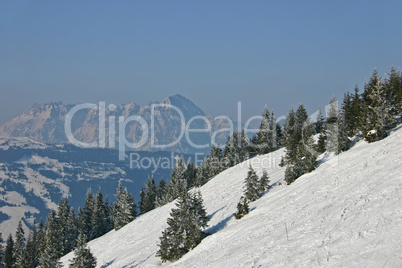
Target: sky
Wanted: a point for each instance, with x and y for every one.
(215, 53)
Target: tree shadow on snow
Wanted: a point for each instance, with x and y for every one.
(220, 225)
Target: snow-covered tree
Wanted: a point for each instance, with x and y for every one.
(148, 196)
(263, 182)
(83, 257)
(252, 186)
(99, 220)
(32, 248)
(242, 208)
(19, 247)
(185, 227)
(124, 209)
(52, 245)
(9, 260)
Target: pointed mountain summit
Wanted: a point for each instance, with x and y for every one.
(45, 123)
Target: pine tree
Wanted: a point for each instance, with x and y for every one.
(148, 196)
(83, 257)
(52, 245)
(190, 174)
(178, 181)
(333, 126)
(87, 212)
(124, 210)
(99, 217)
(300, 149)
(264, 136)
(68, 225)
(32, 248)
(161, 194)
(2, 265)
(184, 229)
(252, 187)
(393, 91)
(242, 208)
(19, 247)
(264, 182)
(9, 259)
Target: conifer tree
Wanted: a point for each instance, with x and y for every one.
(190, 174)
(252, 186)
(264, 136)
(160, 199)
(264, 182)
(32, 248)
(178, 181)
(242, 208)
(68, 225)
(357, 113)
(9, 259)
(202, 175)
(52, 245)
(333, 126)
(148, 196)
(124, 209)
(82, 254)
(19, 247)
(87, 212)
(184, 229)
(99, 222)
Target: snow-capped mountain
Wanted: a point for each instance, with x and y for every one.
(45, 123)
(346, 213)
(35, 176)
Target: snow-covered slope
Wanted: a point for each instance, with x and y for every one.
(348, 213)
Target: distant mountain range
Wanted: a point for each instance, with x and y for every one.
(45, 123)
(35, 176)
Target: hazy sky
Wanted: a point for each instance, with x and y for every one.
(215, 53)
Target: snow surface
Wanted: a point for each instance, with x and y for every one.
(346, 213)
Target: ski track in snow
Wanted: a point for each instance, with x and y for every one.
(346, 213)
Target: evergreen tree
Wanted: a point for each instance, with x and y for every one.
(178, 181)
(378, 110)
(333, 126)
(357, 113)
(19, 247)
(300, 149)
(264, 182)
(83, 257)
(393, 91)
(190, 174)
(161, 194)
(202, 174)
(252, 186)
(109, 215)
(320, 122)
(32, 248)
(52, 245)
(124, 209)
(184, 229)
(1, 252)
(264, 137)
(148, 196)
(68, 225)
(242, 208)
(99, 217)
(87, 213)
(9, 259)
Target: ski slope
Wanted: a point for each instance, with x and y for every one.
(348, 213)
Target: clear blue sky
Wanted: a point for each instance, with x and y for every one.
(215, 53)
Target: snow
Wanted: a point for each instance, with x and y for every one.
(345, 213)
